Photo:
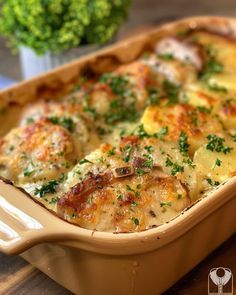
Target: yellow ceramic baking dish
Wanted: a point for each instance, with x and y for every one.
(91, 262)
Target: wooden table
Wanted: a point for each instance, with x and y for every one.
(17, 277)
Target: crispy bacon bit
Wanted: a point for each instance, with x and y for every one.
(77, 196)
(128, 199)
(131, 139)
(123, 171)
(139, 162)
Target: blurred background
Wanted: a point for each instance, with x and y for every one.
(142, 14)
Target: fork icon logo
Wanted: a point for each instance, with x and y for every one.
(220, 281)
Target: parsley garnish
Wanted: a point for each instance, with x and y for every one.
(183, 143)
(135, 220)
(127, 150)
(211, 65)
(140, 172)
(27, 172)
(149, 148)
(136, 193)
(217, 88)
(54, 200)
(47, 188)
(233, 137)
(123, 106)
(83, 161)
(153, 97)
(166, 56)
(175, 166)
(29, 120)
(65, 122)
(163, 131)
(218, 162)
(111, 152)
(203, 109)
(141, 132)
(212, 182)
(162, 204)
(134, 204)
(172, 91)
(117, 83)
(216, 143)
(149, 162)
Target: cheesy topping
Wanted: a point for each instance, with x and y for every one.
(132, 148)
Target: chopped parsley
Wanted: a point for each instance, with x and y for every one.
(127, 152)
(162, 204)
(212, 182)
(103, 131)
(136, 193)
(120, 198)
(54, 200)
(117, 83)
(172, 91)
(153, 97)
(216, 143)
(233, 137)
(134, 204)
(92, 111)
(122, 108)
(28, 172)
(141, 132)
(111, 152)
(166, 56)
(65, 122)
(217, 88)
(135, 220)
(23, 156)
(163, 131)
(183, 143)
(149, 161)
(218, 162)
(149, 148)
(203, 109)
(29, 120)
(211, 65)
(47, 188)
(175, 166)
(83, 161)
(140, 172)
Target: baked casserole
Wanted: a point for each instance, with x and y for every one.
(132, 148)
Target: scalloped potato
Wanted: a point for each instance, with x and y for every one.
(132, 148)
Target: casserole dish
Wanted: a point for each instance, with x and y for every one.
(103, 263)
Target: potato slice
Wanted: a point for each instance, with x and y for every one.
(214, 165)
(181, 117)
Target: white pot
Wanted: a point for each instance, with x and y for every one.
(33, 64)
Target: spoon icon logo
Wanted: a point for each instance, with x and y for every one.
(220, 277)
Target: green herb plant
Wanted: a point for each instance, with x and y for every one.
(58, 25)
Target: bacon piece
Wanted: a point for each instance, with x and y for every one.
(79, 193)
(123, 171)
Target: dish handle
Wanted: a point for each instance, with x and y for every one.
(23, 222)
